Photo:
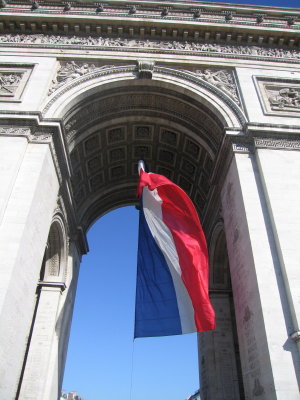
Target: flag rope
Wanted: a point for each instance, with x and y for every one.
(131, 375)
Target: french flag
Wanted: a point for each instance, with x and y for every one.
(172, 271)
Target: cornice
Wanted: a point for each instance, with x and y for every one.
(156, 20)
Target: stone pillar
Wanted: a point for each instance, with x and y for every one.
(217, 359)
(42, 344)
(45, 362)
(29, 188)
(279, 167)
(268, 355)
(218, 350)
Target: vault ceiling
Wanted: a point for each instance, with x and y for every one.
(110, 132)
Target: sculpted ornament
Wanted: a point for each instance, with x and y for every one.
(9, 83)
(69, 72)
(222, 79)
(285, 98)
(216, 49)
(14, 131)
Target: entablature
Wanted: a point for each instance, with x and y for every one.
(156, 20)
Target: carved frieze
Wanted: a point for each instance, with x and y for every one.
(277, 143)
(14, 131)
(37, 137)
(222, 79)
(216, 49)
(247, 144)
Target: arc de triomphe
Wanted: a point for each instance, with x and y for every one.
(208, 95)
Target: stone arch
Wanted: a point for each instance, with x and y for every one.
(219, 262)
(111, 76)
(113, 115)
(54, 262)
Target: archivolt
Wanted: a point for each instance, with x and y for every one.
(109, 77)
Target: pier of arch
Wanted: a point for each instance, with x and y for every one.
(220, 120)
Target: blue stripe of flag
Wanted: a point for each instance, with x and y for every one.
(156, 310)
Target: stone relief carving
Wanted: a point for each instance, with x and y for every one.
(222, 79)
(13, 80)
(69, 72)
(215, 48)
(41, 137)
(15, 131)
(285, 98)
(279, 96)
(9, 83)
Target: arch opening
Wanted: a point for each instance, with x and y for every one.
(177, 127)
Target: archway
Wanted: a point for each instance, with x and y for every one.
(174, 120)
(208, 97)
(113, 116)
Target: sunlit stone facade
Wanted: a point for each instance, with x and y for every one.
(208, 95)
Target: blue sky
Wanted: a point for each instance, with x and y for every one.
(103, 360)
(101, 349)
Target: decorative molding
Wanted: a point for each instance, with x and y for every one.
(242, 148)
(208, 16)
(14, 131)
(248, 144)
(52, 285)
(241, 143)
(168, 46)
(149, 68)
(223, 79)
(38, 137)
(276, 143)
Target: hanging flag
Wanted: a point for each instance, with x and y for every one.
(172, 272)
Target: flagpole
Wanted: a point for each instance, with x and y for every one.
(141, 166)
